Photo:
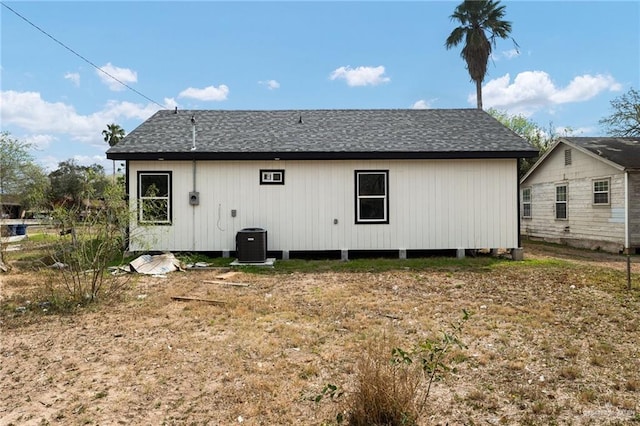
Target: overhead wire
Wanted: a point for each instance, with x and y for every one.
(80, 56)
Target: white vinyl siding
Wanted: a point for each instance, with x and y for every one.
(434, 204)
(585, 221)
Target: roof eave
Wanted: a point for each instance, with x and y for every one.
(318, 155)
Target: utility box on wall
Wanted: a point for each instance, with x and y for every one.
(194, 198)
(251, 245)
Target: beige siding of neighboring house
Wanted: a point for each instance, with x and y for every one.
(433, 204)
(587, 224)
(634, 209)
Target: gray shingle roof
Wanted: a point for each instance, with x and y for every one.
(411, 133)
(622, 151)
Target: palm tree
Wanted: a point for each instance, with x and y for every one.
(112, 135)
(480, 23)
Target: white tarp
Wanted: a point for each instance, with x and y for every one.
(155, 265)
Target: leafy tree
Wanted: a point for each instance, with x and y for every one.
(112, 135)
(538, 137)
(73, 183)
(481, 22)
(20, 177)
(624, 121)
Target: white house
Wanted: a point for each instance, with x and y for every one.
(585, 192)
(339, 181)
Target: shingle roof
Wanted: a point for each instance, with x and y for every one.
(622, 151)
(306, 134)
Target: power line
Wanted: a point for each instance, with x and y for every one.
(80, 56)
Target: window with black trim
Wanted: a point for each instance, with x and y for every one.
(372, 196)
(272, 177)
(561, 201)
(154, 198)
(526, 203)
(601, 190)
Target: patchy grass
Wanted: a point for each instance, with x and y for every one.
(549, 342)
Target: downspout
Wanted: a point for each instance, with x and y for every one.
(626, 212)
(193, 204)
(518, 200)
(127, 197)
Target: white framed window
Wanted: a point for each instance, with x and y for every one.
(526, 203)
(561, 201)
(372, 196)
(601, 190)
(272, 177)
(154, 198)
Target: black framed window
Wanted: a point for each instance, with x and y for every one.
(372, 196)
(154, 198)
(272, 177)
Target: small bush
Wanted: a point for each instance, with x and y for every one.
(392, 385)
(386, 390)
(89, 242)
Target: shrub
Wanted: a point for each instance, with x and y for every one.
(90, 240)
(392, 384)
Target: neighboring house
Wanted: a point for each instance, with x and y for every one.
(341, 181)
(585, 192)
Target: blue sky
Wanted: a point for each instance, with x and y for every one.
(574, 58)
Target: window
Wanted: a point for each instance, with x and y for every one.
(271, 177)
(561, 202)
(567, 157)
(601, 191)
(372, 196)
(154, 197)
(526, 203)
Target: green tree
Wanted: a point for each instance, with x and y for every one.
(538, 137)
(20, 177)
(112, 135)
(481, 22)
(624, 121)
(72, 183)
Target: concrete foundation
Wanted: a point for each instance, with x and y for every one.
(460, 253)
(344, 255)
(402, 253)
(517, 253)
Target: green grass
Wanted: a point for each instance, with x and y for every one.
(377, 265)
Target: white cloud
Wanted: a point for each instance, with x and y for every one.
(531, 91)
(360, 76)
(421, 104)
(74, 77)
(40, 142)
(209, 93)
(271, 84)
(35, 115)
(125, 75)
(510, 54)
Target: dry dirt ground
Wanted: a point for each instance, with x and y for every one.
(548, 342)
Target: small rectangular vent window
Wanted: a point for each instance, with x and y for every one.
(272, 177)
(567, 157)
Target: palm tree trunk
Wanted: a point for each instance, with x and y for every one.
(479, 93)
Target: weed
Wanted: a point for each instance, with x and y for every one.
(394, 390)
